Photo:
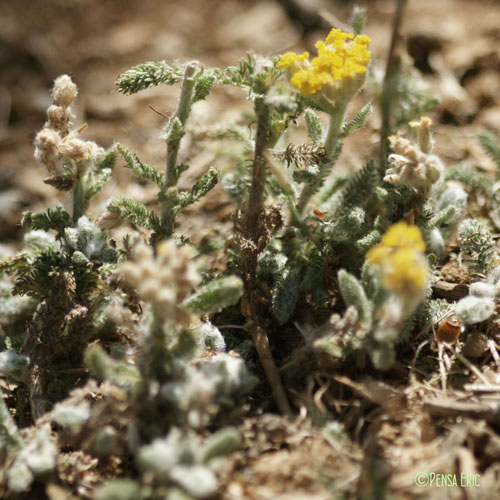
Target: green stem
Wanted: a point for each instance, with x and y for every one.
(174, 135)
(331, 142)
(335, 127)
(79, 199)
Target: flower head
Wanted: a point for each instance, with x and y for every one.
(55, 145)
(414, 164)
(164, 280)
(400, 256)
(338, 71)
(64, 91)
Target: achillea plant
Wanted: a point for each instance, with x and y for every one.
(123, 352)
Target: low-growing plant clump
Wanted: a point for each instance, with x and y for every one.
(136, 357)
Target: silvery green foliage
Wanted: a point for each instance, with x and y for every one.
(314, 126)
(432, 311)
(210, 336)
(367, 241)
(70, 416)
(215, 295)
(286, 293)
(473, 309)
(454, 195)
(106, 442)
(40, 240)
(164, 453)
(272, 261)
(383, 318)
(386, 335)
(13, 365)
(221, 443)
(89, 241)
(346, 226)
(118, 489)
(10, 439)
(11, 305)
(231, 373)
(477, 246)
(491, 145)
(448, 207)
(220, 381)
(358, 121)
(177, 459)
(149, 74)
(381, 344)
(141, 169)
(36, 459)
(354, 295)
(358, 19)
(412, 97)
(480, 304)
(280, 99)
(379, 326)
(482, 289)
(196, 480)
(121, 373)
(436, 243)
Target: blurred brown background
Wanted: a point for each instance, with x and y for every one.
(454, 42)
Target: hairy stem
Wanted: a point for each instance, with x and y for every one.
(79, 199)
(256, 198)
(331, 141)
(253, 232)
(174, 135)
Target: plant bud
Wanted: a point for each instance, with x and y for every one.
(64, 91)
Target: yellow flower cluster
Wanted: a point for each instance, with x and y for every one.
(401, 258)
(339, 68)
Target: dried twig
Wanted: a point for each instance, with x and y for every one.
(414, 360)
(442, 356)
(483, 388)
(450, 408)
(494, 351)
(391, 72)
(469, 365)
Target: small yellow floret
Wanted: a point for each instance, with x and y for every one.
(338, 37)
(291, 58)
(400, 256)
(402, 235)
(338, 66)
